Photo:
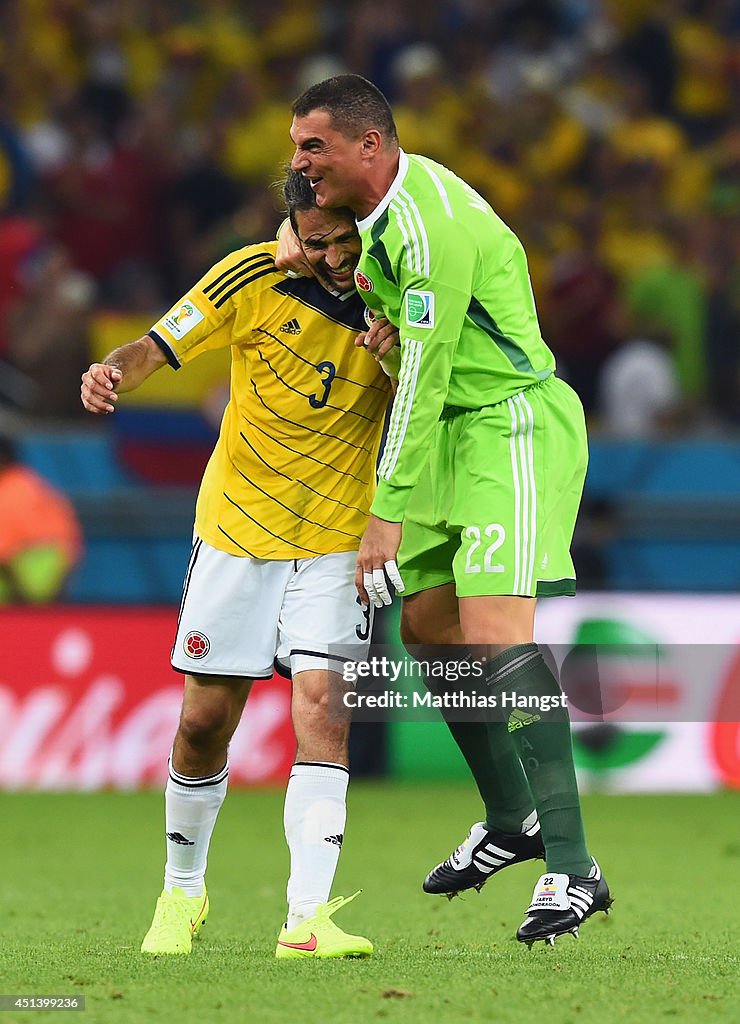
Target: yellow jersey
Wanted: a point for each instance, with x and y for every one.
(294, 468)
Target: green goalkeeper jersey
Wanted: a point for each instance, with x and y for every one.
(439, 263)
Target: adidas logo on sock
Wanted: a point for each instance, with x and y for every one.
(336, 840)
(291, 327)
(518, 719)
(180, 839)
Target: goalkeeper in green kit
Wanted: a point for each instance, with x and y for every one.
(483, 466)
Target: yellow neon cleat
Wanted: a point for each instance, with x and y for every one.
(318, 936)
(177, 920)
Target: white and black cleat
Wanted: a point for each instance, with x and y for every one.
(561, 903)
(483, 853)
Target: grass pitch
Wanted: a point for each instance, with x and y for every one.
(79, 876)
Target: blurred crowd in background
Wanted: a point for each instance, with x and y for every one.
(140, 141)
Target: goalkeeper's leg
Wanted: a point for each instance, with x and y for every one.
(510, 831)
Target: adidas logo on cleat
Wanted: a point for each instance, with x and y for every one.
(489, 858)
(291, 327)
(480, 856)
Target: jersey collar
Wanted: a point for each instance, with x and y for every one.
(341, 296)
(385, 202)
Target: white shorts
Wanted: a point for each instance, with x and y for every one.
(248, 616)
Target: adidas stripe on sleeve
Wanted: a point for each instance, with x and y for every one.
(441, 265)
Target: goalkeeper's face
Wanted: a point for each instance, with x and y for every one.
(334, 164)
(331, 245)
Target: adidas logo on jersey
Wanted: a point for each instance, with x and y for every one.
(291, 327)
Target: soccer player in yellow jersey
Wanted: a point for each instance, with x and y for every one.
(281, 509)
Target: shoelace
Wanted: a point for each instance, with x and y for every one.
(336, 904)
(172, 908)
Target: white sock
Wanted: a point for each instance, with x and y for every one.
(191, 809)
(314, 818)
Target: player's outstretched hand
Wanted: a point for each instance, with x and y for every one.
(98, 391)
(289, 256)
(376, 563)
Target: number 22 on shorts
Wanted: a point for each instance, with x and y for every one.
(498, 535)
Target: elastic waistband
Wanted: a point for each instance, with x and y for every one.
(450, 411)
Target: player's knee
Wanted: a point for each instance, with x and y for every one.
(313, 701)
(201, 726)
(319, 717)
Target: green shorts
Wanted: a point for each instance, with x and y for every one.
(496, 504)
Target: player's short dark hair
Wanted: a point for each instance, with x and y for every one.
(354, 105)
(298, 195)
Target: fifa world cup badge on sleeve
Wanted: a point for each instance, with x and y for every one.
(182, 319)
(420, 309)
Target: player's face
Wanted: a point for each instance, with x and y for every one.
(331, 161)
(331, 245)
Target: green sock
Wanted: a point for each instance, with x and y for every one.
(498, 774)
(496, 767)
(542, 739)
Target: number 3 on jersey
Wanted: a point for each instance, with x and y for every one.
(328, 372)
(498, 535)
